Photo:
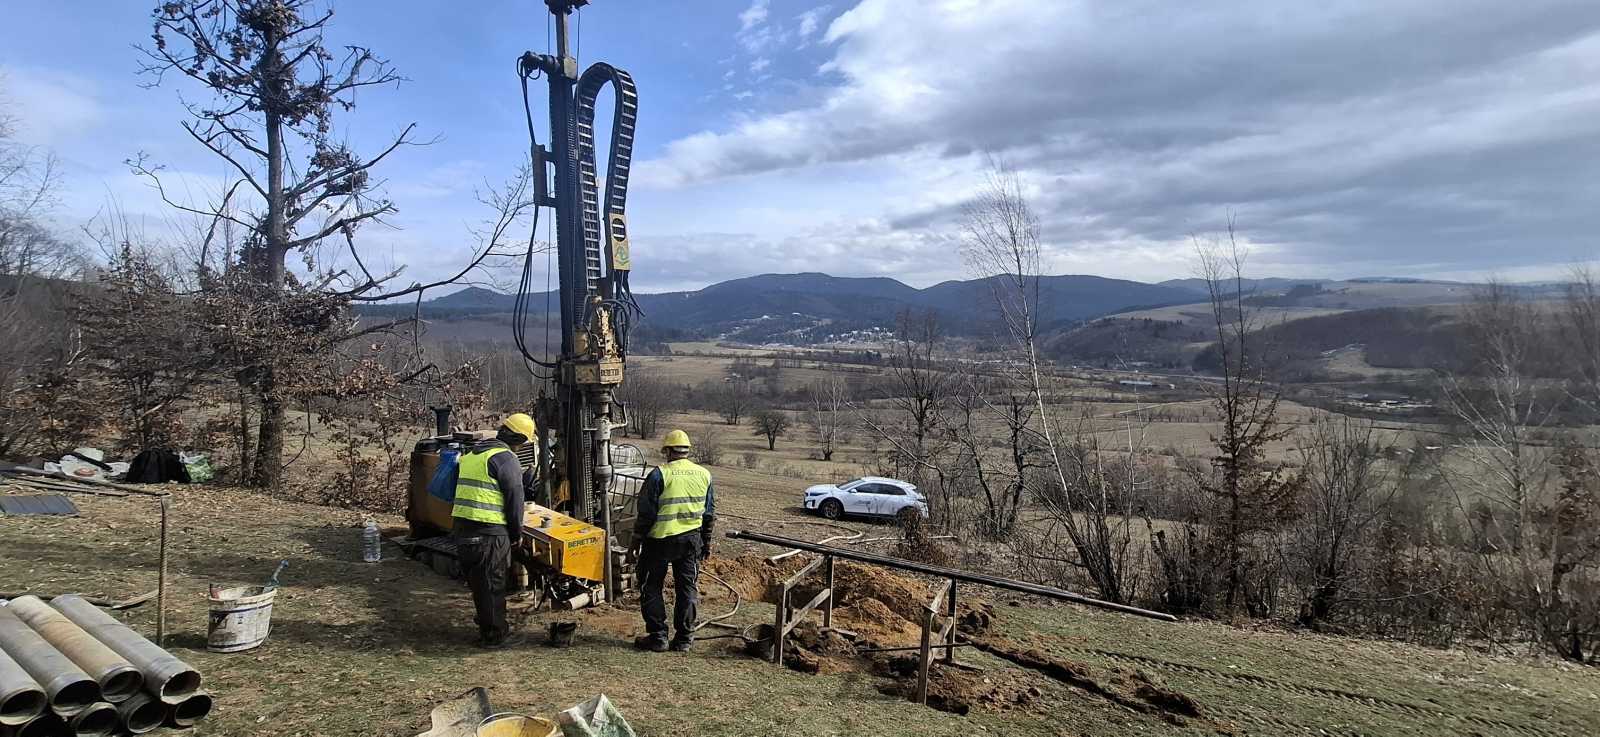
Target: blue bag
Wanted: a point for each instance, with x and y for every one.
(443, 485)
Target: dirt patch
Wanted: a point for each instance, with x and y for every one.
(809, 649)
(884, 606)
(961, 691)
(877, 624)
(1135, 690)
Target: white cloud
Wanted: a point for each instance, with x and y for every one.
(1337, 140)
(755, 34)
(759, 64)
(753, 16)
(50, 105)
(810, 21)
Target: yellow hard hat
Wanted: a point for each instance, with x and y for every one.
(676, 439)
(521, 424)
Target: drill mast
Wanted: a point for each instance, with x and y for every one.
(593, 265)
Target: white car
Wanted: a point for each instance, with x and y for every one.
(868, 496)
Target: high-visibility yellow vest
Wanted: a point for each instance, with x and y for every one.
(683, 498)
(478, 496)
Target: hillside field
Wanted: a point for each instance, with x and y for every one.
(368, 649)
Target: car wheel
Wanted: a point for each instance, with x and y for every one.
(908, 516)
(832, 509)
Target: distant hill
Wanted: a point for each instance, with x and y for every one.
(1269, 284)
(814, 307)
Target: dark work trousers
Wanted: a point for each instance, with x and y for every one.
(682, 554)
(485, 558)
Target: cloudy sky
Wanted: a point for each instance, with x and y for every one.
(1442, 138)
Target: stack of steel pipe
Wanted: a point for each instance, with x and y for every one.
(67, 668)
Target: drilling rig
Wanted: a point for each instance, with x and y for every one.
(577, 525)
(593, 263)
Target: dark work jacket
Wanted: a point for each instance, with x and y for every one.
(507, 473)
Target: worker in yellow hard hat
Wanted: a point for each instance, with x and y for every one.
(672, 530)
(487, 520)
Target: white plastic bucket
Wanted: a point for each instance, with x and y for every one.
(241, 617)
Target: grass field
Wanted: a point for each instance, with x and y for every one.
(365, 649)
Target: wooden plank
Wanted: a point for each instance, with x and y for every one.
(24, 470)
(795, 579)
(778, 627)
(799, 615)
(827, 614)
(128, 603)
(62, 486)
(950, 626)
(925, 658)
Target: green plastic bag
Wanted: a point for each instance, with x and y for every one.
(199, 467)
(594, 718)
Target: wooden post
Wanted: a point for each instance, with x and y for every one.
(781, 626)
(161, 578)
(827, 614)
(950, 638)
(925, 657)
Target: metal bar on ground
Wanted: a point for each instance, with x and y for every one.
(908, 648)
(952, 573)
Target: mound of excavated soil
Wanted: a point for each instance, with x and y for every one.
(882, 605)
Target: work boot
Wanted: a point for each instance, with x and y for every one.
(653, 644)
(681, 646)
(510, 640)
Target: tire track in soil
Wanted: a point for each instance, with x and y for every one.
(1377, 702)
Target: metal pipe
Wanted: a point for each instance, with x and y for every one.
(69, 688)
(48, 724)
(169, 678)
(950, 573)
(190, 711)
(441, 421)
(117, 677)
(21, 697)
(142, 713)
(99, 720)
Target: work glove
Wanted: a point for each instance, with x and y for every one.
(705, 550)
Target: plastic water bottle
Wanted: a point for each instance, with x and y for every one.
(371, 543)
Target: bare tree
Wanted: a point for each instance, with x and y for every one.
(731, 398)
(917, 388)
(1347, 488)
(1502, 408)
(771, 424)
(275, 86)
(649, 399)
(1002, 467)
(29, 179)
(827, 400)
(1085, 502)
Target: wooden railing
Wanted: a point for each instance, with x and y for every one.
(787, 620)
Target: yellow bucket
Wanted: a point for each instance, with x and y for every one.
(516, 725)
